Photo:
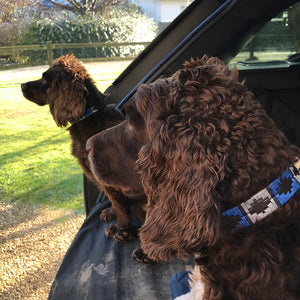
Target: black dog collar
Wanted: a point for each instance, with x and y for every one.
(88, 112)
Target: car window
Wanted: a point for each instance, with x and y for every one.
(279, 39)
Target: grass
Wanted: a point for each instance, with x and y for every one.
(36, 166)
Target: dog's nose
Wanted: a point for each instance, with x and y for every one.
(23, 85)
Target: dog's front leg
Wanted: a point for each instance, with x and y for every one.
(121, 231)
(107, 214)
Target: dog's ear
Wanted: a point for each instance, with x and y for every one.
(183, 212)
(184, 162)
(66, 100)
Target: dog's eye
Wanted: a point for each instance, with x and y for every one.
(45, 77)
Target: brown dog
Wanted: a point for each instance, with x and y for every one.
(73, 98)
(206, 152)
(117, 170)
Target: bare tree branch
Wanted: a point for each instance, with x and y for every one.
(67, 7)
(93, 4)
(75, 3)
(84, 6)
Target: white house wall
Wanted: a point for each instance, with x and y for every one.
(151, 8)
(163, 10)
(169, 10)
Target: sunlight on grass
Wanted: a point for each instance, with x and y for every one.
(36, 166)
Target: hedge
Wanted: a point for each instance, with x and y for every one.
(119, 26)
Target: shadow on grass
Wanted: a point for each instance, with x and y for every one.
(66, 195)
(41, 170)
(53, 192)
(53, 139)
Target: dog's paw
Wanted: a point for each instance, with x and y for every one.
(107, 215)
(141, 257)
(121, 234)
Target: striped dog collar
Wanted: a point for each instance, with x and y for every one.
(276, 194)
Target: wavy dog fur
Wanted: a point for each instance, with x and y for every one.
(211, 147)
(205, 145)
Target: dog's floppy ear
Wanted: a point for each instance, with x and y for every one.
(183, 214)
(66, 100)
(185, 161)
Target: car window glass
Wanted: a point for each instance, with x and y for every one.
(279, 39)
(160, 14)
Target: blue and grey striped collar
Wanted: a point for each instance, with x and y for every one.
(266, 201)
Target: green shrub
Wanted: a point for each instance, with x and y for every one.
(118, 26)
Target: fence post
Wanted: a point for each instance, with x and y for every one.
(50, 52)
(14, 54)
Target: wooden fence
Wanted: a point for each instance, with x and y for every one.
(15, 51)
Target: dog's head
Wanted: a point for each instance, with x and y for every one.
(199, 139)
(113, 153)
(63, 88)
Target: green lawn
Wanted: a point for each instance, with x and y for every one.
(36, 166)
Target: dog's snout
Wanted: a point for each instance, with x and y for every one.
(23, 86)
(89, 147)
(95, 144)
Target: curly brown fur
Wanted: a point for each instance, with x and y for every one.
(205, 145)
(69, 90)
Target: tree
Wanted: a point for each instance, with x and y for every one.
(9, 19)
(85, 7)
(8, 9)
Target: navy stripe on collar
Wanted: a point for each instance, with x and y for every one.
(88, 112)
(266, 201)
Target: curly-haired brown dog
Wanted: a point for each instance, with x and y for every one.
(73, 98)
(205, 146)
